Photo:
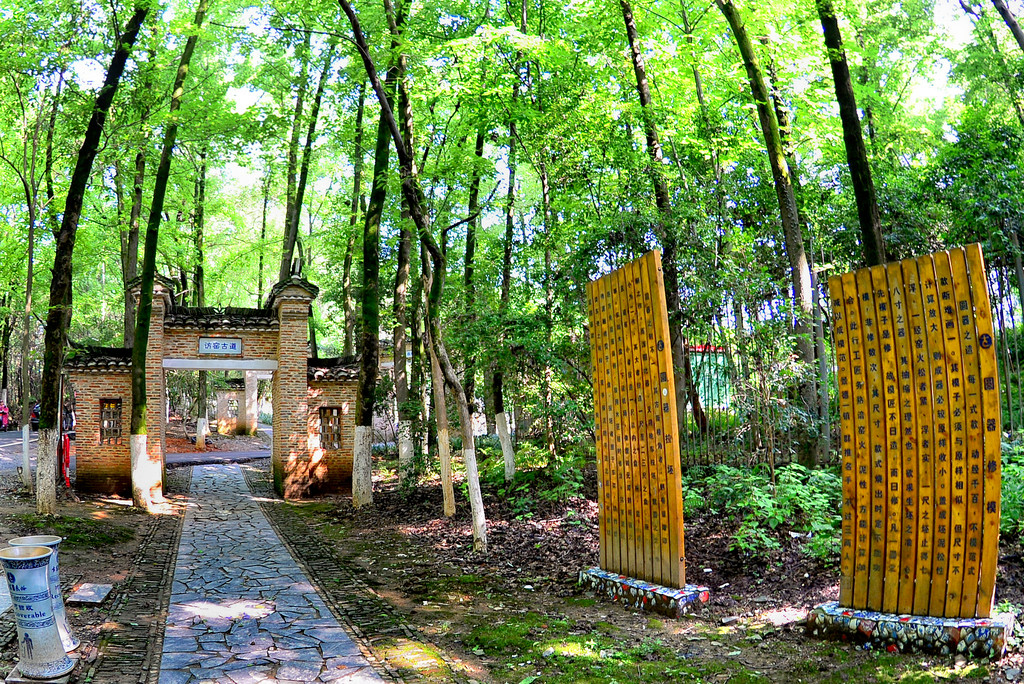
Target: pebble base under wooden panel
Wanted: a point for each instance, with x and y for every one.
(653, 598)
(974, 637)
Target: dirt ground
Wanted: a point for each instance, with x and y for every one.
(752, 629)
(180, 439)
(516, 614)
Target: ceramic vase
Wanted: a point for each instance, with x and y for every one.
(52, 541)
(41, 654)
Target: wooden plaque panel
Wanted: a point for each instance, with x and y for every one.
(920, 436)
(639, 488)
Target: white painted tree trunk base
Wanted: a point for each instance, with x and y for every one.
(147, 474)
(202, 432)
(362, 467)
(26, 463)
(507, 451)
(444, 448)
(46, 472)
(476, 501)
(405, 450)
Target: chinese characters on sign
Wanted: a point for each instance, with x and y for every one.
(920, 436)
(639, 488)
(231, 346)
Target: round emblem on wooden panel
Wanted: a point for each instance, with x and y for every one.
(984, 340)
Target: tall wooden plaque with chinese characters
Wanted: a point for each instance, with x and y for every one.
(639, 490)
(920, 426)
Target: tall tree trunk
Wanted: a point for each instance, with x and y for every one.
(51, 210)
(413, 192)
(295, 209)
(199, 299)
(549, 311)
(369, 337)
(293, 161)
(5, 348)
(418, 386)
(27, 327)
(498, 383)
(856, 152)
(444, 445)
(130, 246)
(59, 315)
(348, 301)
(146, 473)
(473, 209)
(664, 227)
(799, 268)
(1011, 21)
(130, 240)
(263, 231)
(405, 411)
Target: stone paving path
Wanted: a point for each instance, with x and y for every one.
(242, 611)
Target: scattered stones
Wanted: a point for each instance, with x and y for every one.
(729, 620)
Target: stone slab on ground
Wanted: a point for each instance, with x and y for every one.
(974, 637)
(241, 607)
(634, 593)
(90, 592)
(15, 677)
(5, 598)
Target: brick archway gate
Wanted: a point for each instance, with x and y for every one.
(313, 399)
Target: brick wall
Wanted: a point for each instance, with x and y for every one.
(103, 468)
(301, 466)
(183, 343)
(336, 463)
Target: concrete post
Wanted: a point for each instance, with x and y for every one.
(252, 414)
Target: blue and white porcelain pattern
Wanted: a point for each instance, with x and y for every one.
(976, 637)
(52, 541)
(41, 654)
(634, 593)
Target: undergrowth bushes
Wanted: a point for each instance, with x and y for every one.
(801, 500)
(1011, 521)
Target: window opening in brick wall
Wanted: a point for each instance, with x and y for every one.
(110, 421)
(330, 427)
(232, 408)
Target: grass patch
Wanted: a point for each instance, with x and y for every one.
(546, 649)
(582, 602)
(77, 532)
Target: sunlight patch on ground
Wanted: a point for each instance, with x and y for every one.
(781, 616)
(232, 610)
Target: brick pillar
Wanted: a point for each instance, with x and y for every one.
(291, 457)
(156, 389)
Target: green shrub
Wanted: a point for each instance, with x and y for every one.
(1011, 521)
(803, 500)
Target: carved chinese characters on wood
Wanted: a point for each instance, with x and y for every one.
(920, 436)
(639, 489)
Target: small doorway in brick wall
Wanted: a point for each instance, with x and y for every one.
(237, 393)
(238, 407)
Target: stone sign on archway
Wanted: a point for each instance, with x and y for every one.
(313, 399)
